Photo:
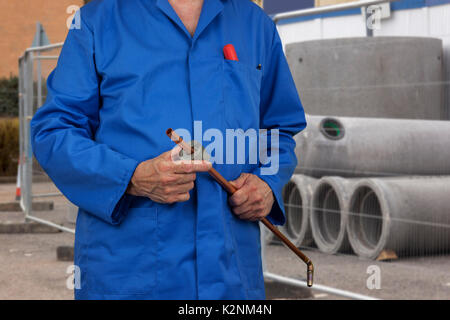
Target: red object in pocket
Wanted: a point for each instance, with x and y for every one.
(230, 53)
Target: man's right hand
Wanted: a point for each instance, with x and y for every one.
(166, 181)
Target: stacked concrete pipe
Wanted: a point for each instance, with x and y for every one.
(297, 228)
(390, 77)
(329, 214)
(297, 195)
(365, 147)
(409, 215)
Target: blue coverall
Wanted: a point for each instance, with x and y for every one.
(128, 73)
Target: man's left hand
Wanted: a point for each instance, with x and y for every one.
(254, 198)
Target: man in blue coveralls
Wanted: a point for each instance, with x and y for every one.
(128, 72)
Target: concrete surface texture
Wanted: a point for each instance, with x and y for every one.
(356, 147)
(297, 202)
(390, 77)
(30, 269)
(409, 215)
(412, 278)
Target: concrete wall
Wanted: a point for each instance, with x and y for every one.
(18, 25)
(393, 77)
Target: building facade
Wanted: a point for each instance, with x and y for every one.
(18, 20)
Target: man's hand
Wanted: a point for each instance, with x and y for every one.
(254, 198)
(166, 181)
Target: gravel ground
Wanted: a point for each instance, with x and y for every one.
(29, 269)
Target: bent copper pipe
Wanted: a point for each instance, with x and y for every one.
(179, 141)
(231, 189)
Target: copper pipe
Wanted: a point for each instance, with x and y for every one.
(179, 141)
(231, 189)
(290, 245)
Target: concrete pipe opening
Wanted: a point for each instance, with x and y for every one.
(269, 236)
(296, 216)
(292, 212)
(332, 128)
(326, 219)
(365, 225)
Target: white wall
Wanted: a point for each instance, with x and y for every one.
(335, 27)
(427, 22)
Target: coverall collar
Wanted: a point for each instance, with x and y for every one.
(211, 8)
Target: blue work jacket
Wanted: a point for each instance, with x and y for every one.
(129, 71)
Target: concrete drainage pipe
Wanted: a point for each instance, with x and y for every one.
(369, 147)
(409, 215)
(270, 237)
(297, 195)
(298, 228)
(329, 214)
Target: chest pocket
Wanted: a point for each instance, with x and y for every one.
(241, 94)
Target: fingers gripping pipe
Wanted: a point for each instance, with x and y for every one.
(232, 189)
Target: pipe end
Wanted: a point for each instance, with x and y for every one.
(310, 275)
(169, 132)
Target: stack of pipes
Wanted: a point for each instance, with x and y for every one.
(371, 185)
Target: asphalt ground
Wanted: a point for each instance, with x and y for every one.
(403, 278)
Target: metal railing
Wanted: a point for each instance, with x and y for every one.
(31, 98)
(327, 9)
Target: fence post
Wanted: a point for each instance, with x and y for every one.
(21, 103)
(26, 141)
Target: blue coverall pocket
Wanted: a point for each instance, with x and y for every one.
(121, 259)
(248, 250)
(241, 99)
(241, 92)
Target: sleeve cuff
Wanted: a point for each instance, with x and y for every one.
(122, 201)
(277, 213)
